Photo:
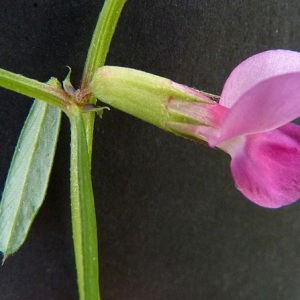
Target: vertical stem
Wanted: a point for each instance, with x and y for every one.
(83, 211)
(82, 127)
(101, 39)
(97, 53)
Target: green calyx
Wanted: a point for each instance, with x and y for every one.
(141, 94)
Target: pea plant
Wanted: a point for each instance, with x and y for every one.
(264, 147)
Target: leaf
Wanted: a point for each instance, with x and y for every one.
(28, 176)
(47, 92)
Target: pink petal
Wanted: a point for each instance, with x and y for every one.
(258, 68)
(267, 167)
(269, 105)
(211, 114)
(195, 132)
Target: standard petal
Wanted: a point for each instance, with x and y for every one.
(258, 68)
(268, 105)
(267, 167)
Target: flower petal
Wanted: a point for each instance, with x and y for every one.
(267, 167)
(269, 105)
(211, 114)
(208, 116)
(258, 68)
(196, 132)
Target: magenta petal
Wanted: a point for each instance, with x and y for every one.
(267, 167)
(258, 68)
(269, 105)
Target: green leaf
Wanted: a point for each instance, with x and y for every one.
(50, 93)
(28, 176)
(83, 211)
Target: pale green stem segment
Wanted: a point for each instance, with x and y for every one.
(28, 175)
(102, 37)
(83, 211)
(98, 50)
(32, 88)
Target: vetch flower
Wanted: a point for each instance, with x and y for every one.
(251, 122)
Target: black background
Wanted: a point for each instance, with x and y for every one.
(171, 223)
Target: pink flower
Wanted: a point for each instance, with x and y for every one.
(252, 124)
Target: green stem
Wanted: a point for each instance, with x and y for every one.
(34, 89)
(83, 211)
(82, 127)
(97, 53)
(101, 40)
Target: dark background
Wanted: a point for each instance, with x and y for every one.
(171, 223)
